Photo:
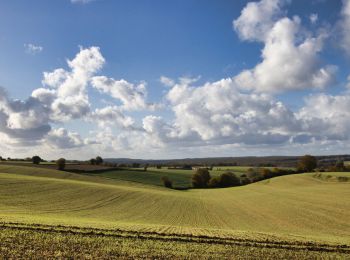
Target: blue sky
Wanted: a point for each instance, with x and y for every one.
(259, 49)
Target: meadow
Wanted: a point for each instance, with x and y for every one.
(292, 216)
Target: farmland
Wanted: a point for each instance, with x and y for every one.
(295, 208)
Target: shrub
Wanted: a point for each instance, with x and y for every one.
(61, 164)
(200, 178)
(254, 175)
(229, 179)
(36, 159)
(266, 173)
(159, 166)
(244, 179)
(145, 167)
(214, 182)
(307, 163)
(167, 182)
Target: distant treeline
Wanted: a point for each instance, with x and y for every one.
(267, 161)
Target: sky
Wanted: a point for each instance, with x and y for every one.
(174, 79)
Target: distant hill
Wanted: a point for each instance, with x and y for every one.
(280, 161)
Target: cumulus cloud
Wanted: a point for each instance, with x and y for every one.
(63, 139)
(54, 79)
(218, 113)
(132, 97)
(23, 121)
(111, 115)
(32, 49)
(70, 99)
(290, 58)
(257, 19)
(29, 121)
(326, 115)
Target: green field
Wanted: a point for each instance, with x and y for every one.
(296, 210)
(181, 178)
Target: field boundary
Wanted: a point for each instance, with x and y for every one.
(160, 236)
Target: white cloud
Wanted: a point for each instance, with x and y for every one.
(327, 115)
(111, 115)
(290, 58)
(168, 82)
(71, 99)
(55, 79)
(32, 49)
(218, 113)
(23, 121)
(62, 139)
(132, 97)
(257, 19)
(313, 18)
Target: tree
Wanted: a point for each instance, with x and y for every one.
(99, 160)
(200, 178)
(307, 163)
(36, 159)
(61, 164)
(145, 167)
(92, 161)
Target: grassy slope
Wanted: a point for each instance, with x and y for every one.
(297, 205)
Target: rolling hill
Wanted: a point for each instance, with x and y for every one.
(299, 206)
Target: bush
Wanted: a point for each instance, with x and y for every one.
(61, 164)
(254, 174)
(244, 179)
(200, 178)
(214, 182)
(227, 179)
(36, 159)
(159, 166)
(167, 182)
(266, 173)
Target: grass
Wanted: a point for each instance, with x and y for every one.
(19, 243)
(294, 207)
